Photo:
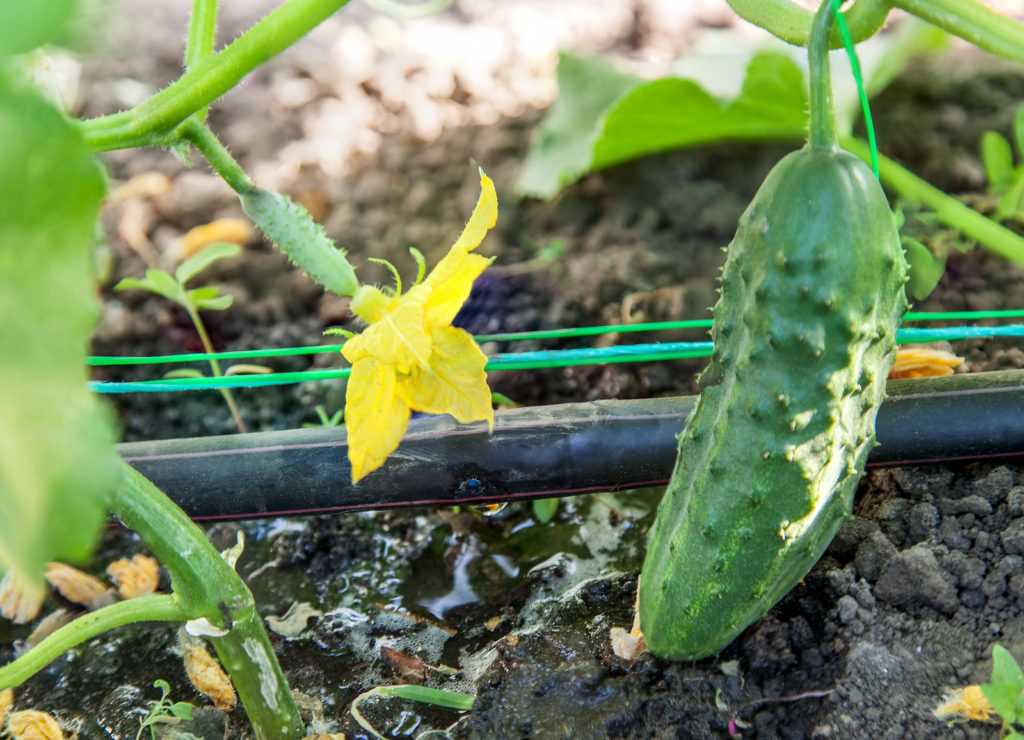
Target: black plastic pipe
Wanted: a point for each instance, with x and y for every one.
(540, 452)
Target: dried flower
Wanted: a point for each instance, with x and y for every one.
(968, 702)
(136, 577)
(6, 702)
(33, 725)
(20, 599)
(923, 362)
(78, 587)
(207, 676)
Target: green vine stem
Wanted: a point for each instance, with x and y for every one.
(151, 608)
(207, 586)
(991, 235)
(202, 35)
(150, 122)
(220, 159)
(822, 127)
(968, 19)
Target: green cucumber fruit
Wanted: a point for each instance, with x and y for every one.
(812, 291)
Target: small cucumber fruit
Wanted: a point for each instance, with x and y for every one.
(812, 291)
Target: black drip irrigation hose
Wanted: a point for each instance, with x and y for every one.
(541, 452)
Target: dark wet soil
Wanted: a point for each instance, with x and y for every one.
(905, 605)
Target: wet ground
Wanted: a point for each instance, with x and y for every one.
(905, 605)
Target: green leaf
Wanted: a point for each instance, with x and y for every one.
(673, 113)
(1003, 698)
(1005, 668)
(926, 269)
(544, 509)
(57, 460)
(182, 710)
(163, 685)
(26, 24)
(219, 303)
(299, 236)
(997, 159)
(157, 282)
(199, 262)
(562, 149)
(602, 117)
(1018, 131)
(435, 697)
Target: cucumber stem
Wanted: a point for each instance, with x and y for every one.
(822, 133)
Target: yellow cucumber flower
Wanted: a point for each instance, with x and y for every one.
(410, 357)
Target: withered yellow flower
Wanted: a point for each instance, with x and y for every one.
(33, 725)
(968, 702)
(20, 598)
(6, 702)
(923, 362)
(410, 358)
(78, 587)
(208, 677)
(136, 577)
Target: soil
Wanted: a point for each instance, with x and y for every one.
(905, 605)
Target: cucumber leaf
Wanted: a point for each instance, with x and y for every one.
(57, 460)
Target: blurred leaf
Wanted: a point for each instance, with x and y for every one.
(1018, 131)
(157, 282)
(219, 303)
(1011, 203)
(603, 117)
(57, 460)
(673, 113)
(562, 149)
(301, 238)
(26, 24)
(997, 159)
(544, 509)
(196, 264)
(1003, 698)
(926, 269)
(1005, 668)
(182, 710)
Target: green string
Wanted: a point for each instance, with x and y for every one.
(869, 123)
(520, 336)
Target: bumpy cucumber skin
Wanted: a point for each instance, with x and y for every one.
(812, 291)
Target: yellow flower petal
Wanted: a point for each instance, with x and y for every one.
(446, 298)
(375, 417)
(398, 338)
(455, 384)
(484, 216)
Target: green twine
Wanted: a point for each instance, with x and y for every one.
(858, 77)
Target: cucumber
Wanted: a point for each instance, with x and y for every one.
(812, 292)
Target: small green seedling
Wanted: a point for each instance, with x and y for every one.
(165, 712)
(1006, 692)
(1005, 179)
(193, 300)
(332, 420)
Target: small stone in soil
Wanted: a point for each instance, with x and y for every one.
(914, 578)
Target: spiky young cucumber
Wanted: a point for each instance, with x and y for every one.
(812, 291)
